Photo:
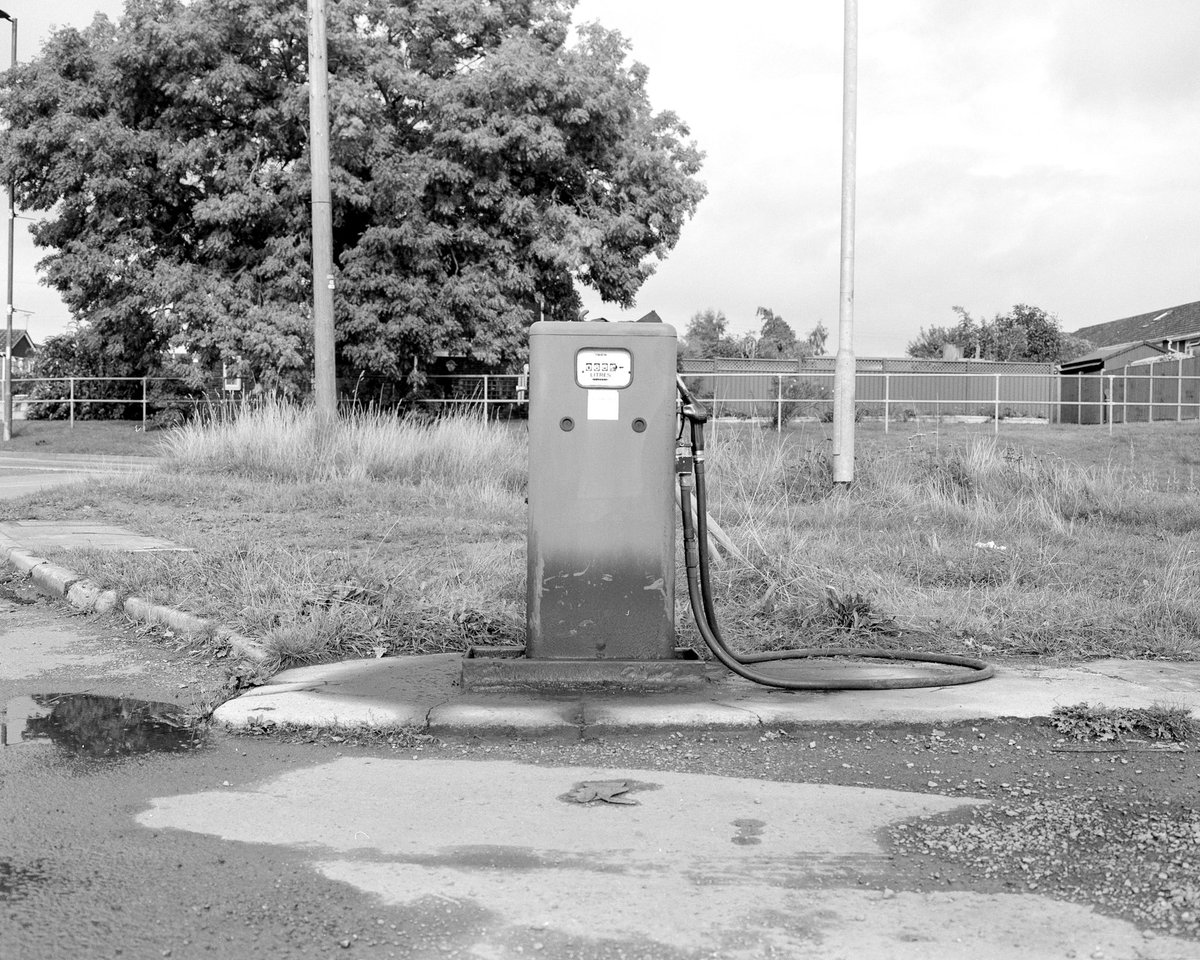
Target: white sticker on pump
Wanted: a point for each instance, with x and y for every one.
(603, 405)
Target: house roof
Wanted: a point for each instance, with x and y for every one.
(1168, 323)
(1100, 357)
(19, 349)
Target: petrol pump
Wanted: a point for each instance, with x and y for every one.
(600, 595)
(612, 429)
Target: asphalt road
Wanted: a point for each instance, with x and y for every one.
(81, 878)
(21, 474)
(889, 843)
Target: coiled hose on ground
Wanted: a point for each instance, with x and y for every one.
(695, 544)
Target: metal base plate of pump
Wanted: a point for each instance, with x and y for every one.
(496, 669)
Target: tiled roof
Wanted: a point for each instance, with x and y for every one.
(1168, 323)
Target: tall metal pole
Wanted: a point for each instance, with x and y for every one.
(324, 374)
(844, 365)
(8, 313)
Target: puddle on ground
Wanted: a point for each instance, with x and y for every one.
(87, 724)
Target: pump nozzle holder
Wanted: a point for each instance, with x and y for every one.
(692, 408)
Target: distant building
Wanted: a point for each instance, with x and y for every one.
(23, 351)
(1175, 329)
(1083, 397)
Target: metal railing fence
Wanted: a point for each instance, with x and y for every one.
(77, 393)
(1134, 395)
(1168, 390)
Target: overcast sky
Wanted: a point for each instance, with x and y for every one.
(1009, 151)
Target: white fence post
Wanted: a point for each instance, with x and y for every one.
(887, 393)
(145, 391)
(1179, 391)
(1111, 380)
(779, 404)
(996, 427)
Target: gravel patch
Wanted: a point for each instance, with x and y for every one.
(1139, 860)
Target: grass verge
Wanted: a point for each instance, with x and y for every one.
(374, 537)
(107, 438)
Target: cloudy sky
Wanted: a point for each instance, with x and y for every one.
(1009, 151)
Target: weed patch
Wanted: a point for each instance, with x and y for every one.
(1082, 721)
(395, 735)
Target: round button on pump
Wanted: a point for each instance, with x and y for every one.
(567, 424)
(639, 425)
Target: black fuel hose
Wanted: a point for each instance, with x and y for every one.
(695, 543)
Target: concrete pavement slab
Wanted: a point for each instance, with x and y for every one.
(64, 534)
(426, 680)
(1020, 690)
(308, 706)
(427, 686)
(506, 713)
(663, 710)
(698, 865)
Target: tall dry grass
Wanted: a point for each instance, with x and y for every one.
(283, 443)
(331, 539)
(970, 546)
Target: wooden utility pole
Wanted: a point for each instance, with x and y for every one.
(844, 364)
(324, 372)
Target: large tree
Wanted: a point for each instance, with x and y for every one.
(1024, 333)
(482, 166)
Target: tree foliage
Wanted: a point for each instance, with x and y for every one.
(482, 166)
(776, 338)
(708, 335)
(1024, 333)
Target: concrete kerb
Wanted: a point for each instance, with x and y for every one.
(89, 597)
